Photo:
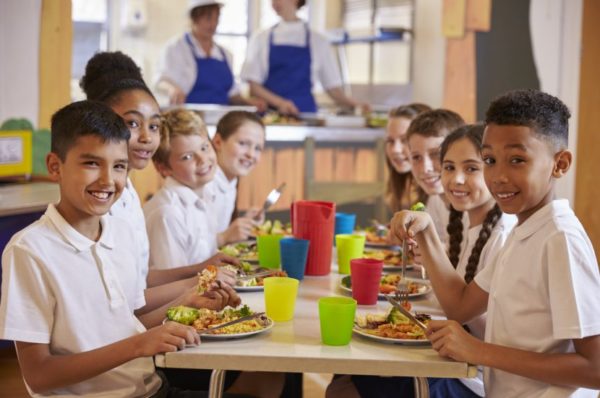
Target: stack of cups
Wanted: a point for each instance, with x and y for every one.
(365, 278)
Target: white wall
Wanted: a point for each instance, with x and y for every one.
(19, 55)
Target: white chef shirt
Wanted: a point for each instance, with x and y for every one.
(178, 65)
(221, 195)
(63, 289)
(324, 66)
(178, 227)
(543, 292)
(493, 245)
(129, 208)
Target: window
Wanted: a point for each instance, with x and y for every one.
(233, 30)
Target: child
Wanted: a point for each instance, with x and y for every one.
(239, 142)
(177, 218)
(73, 272)
(401, 190)
(425, 135)
(542, 333)
(465, 190)
(113, 78)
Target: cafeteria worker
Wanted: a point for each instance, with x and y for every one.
(195, 69)
(285, 60)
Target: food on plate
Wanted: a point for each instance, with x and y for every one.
(243, 250)
(389, 257)
(273, 228)
(259, 281)
(183, 314)
(393, 324)
(389, 284)
(203, 318)
(206, 278)
(419, 206)
(277, 118)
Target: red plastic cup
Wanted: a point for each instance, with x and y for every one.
(365, 274)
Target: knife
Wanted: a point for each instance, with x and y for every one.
(406, 313)
(224, 325)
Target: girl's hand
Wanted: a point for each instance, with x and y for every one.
(256, 214)
(451, 340)
(416, 221)
(240, 229)
(171, 336)
(219, 297)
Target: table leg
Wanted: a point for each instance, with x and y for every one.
(421, 387)
(217, 380)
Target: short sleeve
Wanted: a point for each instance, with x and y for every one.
(329, 71)
(27, 306)
(168, 239)
(177, 65)
(255, 67)
(483, 279)
(573, 286)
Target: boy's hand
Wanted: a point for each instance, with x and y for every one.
(417, 221)
(451, 340)
(220, 259)
(171, 336)
(256, 214)
(240, 229)
(217, 298)
(226, 276)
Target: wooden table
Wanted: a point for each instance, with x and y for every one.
(295, 346)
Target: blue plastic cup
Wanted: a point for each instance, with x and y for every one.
(294, 253)
(344, 223)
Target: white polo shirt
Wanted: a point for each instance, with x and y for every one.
(543, 292)
(62, 289)
(493, 245)
(221, 195)
(129, 208)
(440, 214)
(324, 66)
(178, 65)
(179, 227)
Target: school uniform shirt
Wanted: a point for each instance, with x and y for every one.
(543, 292)
(493, 245)
(220, 195)
(62, 289)
(324, 65)
(178, 63)
(440, 214)
(178, 227)
(129, 208)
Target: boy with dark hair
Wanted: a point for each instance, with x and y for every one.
(72, 280)
(542, 335)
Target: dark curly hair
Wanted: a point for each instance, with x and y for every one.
(547, 115)
(474, 133)
(109, 74)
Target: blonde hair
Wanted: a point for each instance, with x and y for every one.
(177, 122)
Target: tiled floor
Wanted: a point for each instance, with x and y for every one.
(11, 383)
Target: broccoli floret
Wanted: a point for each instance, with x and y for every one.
(244, 311)
(419, 206)
(395, 317)
(183, 314)
(230, 251)
(246, 266)
(277, 228)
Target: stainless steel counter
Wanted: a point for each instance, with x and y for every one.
(297, 134)
(27, 197)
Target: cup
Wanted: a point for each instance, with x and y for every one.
(336, 316)
(344, 223)
(280, 297)
(348, 248)
(365, 277)
(293, 256)
(268, 250)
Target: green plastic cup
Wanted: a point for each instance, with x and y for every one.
(268, 251)
(348, 247)
(280, 297)
(336, 315)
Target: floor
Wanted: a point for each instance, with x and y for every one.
(11, 383)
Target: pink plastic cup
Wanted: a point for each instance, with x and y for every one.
(365, 274)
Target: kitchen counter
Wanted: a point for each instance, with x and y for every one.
(27, 198)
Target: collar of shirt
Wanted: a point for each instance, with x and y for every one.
(537, 220)
(223, 183)
(126, 199)
(215, 51)
(186, 194)
(76, 239)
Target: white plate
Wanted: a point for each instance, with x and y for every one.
(389, 340)
(243, 289)
(423, 289)
(208, 336)
(382, 246)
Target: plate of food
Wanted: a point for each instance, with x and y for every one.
(376, 238)
(391, 327)
(245, 251)
(389, 285)
(274, 227)
(392, 259)
(249, 283)
(203, 319)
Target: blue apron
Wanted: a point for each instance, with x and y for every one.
(214, 79)
(290, 73)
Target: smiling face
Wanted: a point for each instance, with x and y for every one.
(463, 182)
(91, 177)
(520, 168)
(142, 116)
(192, 160)
(425, 162)
(396, 144)
(241, 151)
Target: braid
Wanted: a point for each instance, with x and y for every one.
(491, 219)
(455, 232)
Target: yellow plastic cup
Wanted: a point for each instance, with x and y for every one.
(348, 247)
(280, 297)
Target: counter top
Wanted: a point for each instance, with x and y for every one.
(282, 133)
(27, 197)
